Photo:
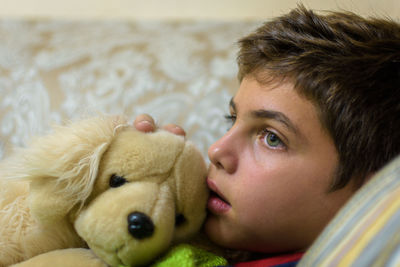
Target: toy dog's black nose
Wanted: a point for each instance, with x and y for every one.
(140, 225)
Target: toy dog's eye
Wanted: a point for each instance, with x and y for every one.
(179, 219)
(116, 181)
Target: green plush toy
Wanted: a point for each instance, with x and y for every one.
(185, 255)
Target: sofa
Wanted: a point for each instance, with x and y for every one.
(52, 71)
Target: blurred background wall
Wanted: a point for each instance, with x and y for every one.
(185, 9)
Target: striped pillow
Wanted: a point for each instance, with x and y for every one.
(366, 231)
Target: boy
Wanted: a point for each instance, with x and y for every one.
(316, 115)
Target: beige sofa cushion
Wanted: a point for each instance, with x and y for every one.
(179, 72)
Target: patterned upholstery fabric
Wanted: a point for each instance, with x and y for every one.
(366, 232)
(179, 72)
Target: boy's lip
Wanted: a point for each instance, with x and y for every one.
(217, 203)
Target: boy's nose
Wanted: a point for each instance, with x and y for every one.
(222, 154)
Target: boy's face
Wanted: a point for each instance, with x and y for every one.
(271, 172)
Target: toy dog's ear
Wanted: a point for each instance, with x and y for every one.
(52, 197)
(190, 173)
(62, 167)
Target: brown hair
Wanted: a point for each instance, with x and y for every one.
(349, 67)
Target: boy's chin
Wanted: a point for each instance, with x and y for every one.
(225, 243)
(212, 228)
(219, 232)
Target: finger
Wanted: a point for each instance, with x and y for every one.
(175, 129)
(144, 123)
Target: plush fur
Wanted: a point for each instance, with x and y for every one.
(56, 194)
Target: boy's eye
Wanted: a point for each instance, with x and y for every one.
(272, 140)
(231, 119)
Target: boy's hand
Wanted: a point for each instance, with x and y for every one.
(145, 123)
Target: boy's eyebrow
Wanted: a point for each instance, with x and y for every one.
(270, 114)
(277, 116)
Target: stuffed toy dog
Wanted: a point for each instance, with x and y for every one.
(99, 184)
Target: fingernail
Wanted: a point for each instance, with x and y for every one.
(145, 122)
(146, 126)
